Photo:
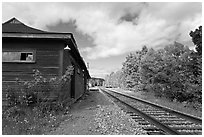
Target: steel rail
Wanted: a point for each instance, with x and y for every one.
(181, 114)
(147, 117)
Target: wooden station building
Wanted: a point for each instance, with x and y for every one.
(25, 48)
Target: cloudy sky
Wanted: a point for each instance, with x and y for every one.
(107, 32)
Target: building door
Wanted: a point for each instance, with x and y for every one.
(73, 83)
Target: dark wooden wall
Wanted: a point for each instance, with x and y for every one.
(51, 60)
(48, 60)
(77, 86)
(66, 63)
(78, 78)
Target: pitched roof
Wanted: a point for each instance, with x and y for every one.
(15, 26)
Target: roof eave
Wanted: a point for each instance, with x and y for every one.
(34, 35)
(80, 58)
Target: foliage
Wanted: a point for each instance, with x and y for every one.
(131, 68)
(96, 82)
(115, 79)
(197, 39)
(174, 72)
(32, 102)
(170, 73)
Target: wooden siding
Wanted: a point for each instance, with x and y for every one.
(51, 60)
(66, 62)
(78, 79)
(47, 61)
(76, 87)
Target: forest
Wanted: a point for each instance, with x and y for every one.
(173, 72)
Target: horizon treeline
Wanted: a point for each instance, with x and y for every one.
(174, 72)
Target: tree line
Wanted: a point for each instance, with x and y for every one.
(174, 72)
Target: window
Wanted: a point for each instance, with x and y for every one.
(16, 56)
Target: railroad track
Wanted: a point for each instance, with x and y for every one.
(156, 119)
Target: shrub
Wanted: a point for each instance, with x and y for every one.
(42, 97)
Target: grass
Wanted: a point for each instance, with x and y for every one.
(36, 106)
(183, 107)
(29, 122)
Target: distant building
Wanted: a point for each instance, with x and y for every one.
(25, 48)
(96, 82)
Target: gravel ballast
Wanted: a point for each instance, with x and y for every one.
(95, 114)
(112, 121)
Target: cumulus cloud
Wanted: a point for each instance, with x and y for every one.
(98, 72)
(116, 28)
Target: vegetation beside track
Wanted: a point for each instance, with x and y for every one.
(173, 73)
(163, 117)
(36, 106)
(183, 107)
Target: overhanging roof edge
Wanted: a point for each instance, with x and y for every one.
(35, 35)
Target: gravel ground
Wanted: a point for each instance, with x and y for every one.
(95, 114)
(112, 121)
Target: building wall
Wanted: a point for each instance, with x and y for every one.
(47, 61)
(79, 90)
(77, 86)
(66, 62)
(51, 60)
(79, 80)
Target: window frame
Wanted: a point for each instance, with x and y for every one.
(33, 51)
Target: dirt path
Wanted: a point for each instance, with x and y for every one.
(95, 114)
